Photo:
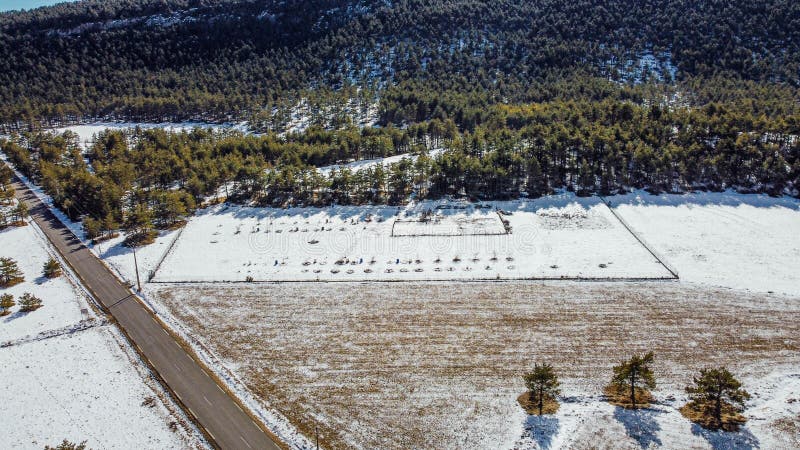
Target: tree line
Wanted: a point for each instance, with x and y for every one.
(716, 397)
(147, 179)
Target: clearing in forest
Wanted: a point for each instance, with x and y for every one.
(549, 238)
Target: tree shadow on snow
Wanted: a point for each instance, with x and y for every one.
(702, 198)
(542, 429)
(117, 249)
(726, 440)
(14, 316)
(640, 424)
(444, 207)
(298, 213)
(107, 250)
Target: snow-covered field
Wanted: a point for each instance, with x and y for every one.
(83, 386)
(451, 221)
(68, 374)
(554, 237)
(440, 365)
(741, 241)
(61, 299)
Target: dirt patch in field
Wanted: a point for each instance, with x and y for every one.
(440, 365)
(530, 403)
(621, 396)
(702, 414)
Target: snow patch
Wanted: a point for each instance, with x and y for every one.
(740, 241)
(391, 243)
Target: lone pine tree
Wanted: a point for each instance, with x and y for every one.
(10, 274)
(6, 303)
(51, 269)
(19, 213)
(716, 391)
(636, 373)
(29, 302)
(543, 384)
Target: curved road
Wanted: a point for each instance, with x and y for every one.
(221, 417)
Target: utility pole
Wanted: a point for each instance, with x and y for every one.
(136, 266)
(316, 434)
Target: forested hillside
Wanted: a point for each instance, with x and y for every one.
(236, 59)
(518, 98)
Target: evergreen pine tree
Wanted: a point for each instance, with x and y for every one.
(29, 302)
(139, 225)
(6, 303)
(6, 190)
(536, 185)
(91, 227)
(51, 269)
(543, 384)
(67, 445)
(20, 212)
(585, 177)
(10, 274)
(634, 373)
(109, 224)
(714, 390)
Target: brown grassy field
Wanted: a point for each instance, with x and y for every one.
(439, 365)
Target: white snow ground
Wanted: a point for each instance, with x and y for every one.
(741, 241)
(554, 237)
(67, 374)
(364, 164)
(61, 299)
(81, 386)
(662, 425)
(87, 132)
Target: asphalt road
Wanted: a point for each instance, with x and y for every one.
(228, 426)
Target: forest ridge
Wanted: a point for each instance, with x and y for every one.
(233, 59)
(522, 98)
